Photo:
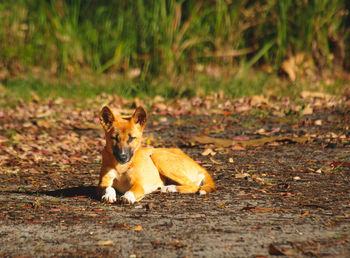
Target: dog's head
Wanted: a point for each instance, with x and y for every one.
(123, 135)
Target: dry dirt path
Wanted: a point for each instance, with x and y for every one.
(283, 197)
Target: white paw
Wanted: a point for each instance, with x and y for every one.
(168, 189)
(110, 195)
(128, 197)
(202, 192)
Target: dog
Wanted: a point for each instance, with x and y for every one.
(135, 171)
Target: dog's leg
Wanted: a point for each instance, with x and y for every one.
(190, 188)
(136, 193)
(105, 189)
(173, 165)
(208, 184)
(185, 185)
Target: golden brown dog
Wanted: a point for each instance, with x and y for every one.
(135, 171)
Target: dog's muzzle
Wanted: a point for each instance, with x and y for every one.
(122, 155)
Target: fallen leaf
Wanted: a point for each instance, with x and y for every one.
(260, 256)
(86, 126)
(261, 131)
(258, 100)
(309, 94)
(43, 123)
(120, 226)
(273, 250)
(241, 138)
(27, 124)
(33, 222)
(17, 137)
(257, 209)
(237, 147)
(336, 164)
(137, 228)
(215, 161)
(149, 206)
(177, 244)
(318, 122)
(91, 214)
(308, 110)
(106, 242)
(333, 135)
(290, 252)
(216, 141)
(158, 99)
(179, 122)
(242, 175)
(149, 141)
(305, 214)
(197, 216)
(35, 97)
(208, 151)
(287, 194)
(262, 141)
(54, 210)
(79, 196)
(247, 196)
(242, 108)
(230, 160)
(133, 73)
(289, 68)
(163, 119)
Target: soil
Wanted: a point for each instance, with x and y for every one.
(280, 198)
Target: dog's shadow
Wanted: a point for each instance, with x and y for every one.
(73, 192)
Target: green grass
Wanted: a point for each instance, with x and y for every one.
(167, 38)
(251, 82)
(200, 84)
(47, 47)
(27, 88)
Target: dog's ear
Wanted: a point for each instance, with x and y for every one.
(107, 118)
(140, 117)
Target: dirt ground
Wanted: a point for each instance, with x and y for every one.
(284, 197)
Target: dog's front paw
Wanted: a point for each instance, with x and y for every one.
(168, 189)
(128, 197)
(202, 192)
(110, 195)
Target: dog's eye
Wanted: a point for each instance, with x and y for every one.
(131, 138)
(116, 138)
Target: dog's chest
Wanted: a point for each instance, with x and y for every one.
(122, 182)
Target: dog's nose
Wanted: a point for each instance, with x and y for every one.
(123, 156)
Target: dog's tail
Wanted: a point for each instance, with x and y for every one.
(208, 184)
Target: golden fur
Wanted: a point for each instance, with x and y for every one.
(135, 171)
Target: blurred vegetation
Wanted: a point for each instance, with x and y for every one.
(145, 41)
